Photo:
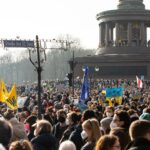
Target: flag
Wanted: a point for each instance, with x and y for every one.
(2, 96)
(85, 85)
(6, 93)
(115, 93)
(11, 100)
(82, 107)
(139, 82)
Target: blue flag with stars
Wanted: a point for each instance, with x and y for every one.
(85, 85)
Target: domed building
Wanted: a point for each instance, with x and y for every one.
(124, 50)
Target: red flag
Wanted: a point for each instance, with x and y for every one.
(139, 82)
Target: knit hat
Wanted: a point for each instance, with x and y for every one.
(145, 116)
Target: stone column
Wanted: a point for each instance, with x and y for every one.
(101, 35)
(106, 34)
(117, 34)
(142, 34)
(145, 37)
(112, 34)
(129, 34)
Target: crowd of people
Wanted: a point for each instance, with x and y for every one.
(68, 124)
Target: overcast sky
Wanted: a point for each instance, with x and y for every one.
(51, 18)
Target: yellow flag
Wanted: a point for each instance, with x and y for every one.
(11, 100)
(6, 93)
(2, 95)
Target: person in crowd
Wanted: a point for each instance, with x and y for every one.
(75, 136)
(140, 135)
(105, 125)
(35, 110)
(60, 126)
(88, 114)
(109, 111)
(49, 115)
(65, 99)
(6, 132)
(29, 122)
(2, 147)
(72, 121)
(146, 110)
(67, 145)
(145, 116)
(133, 115)
(21, 145)
(108, 142)
(124, 139)
(43, 140)
(18, 127)
(121, 119)
(22, 116)
(105, 122)
(91, 133)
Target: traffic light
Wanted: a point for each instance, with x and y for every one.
(69, 76)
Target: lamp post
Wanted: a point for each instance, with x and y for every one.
(38, 68)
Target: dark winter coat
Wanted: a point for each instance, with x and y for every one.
(76, 138)
(44, 142)
(139, 144)
(88, 146)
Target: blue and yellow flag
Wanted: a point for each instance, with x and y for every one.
(114, 93)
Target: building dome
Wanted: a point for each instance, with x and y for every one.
(131, 4)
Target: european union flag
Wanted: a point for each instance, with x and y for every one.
(85, 85)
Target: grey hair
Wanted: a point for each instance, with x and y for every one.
(2, 147)
(67, 145)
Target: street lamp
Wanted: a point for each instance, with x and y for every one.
(38, 67)
(39, 61)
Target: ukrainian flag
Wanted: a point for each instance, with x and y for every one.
(114, 93)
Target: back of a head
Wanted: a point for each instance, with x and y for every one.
(88, 114)
(21, 145)
(124, 116)
(124, 138)
(2, 147)
(139, 129)
(145, 116)
(5, 132)
(74, 117)
(43, 127)
(67, 145)
(106, 142)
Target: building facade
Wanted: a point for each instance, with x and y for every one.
(124, 49)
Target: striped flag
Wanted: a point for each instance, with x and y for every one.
(139, 82)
